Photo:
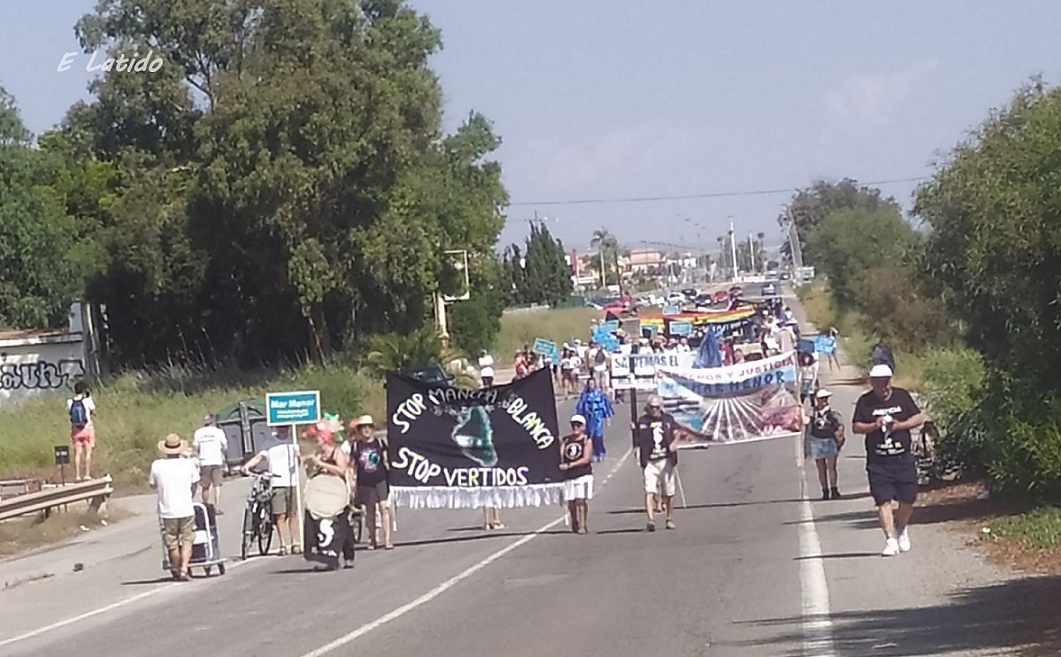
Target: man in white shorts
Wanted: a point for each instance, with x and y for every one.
(655, 439)
(575, 454)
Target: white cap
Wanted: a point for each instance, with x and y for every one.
(880, 371)
(823, 393)
(578, 419)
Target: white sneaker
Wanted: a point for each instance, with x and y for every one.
(904, 540)
(891, 548)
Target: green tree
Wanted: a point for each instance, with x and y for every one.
(293, 189)
(852, 242)
(607, 260)
(539, 273)
(994, 251)
(40, 274)
(810, 207)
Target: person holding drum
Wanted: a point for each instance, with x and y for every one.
(327, 527)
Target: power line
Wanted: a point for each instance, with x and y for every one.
(687, 197)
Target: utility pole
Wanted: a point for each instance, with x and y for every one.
(733, 249)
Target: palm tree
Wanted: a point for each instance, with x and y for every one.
(760, 257)
(608, 247)
(393, 352)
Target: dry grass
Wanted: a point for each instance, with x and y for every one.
(560, 325)
(138, 410)
(22, 534)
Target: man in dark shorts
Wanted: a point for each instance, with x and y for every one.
(885, 415)
(370, 467)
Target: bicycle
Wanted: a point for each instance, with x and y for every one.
(258, 523)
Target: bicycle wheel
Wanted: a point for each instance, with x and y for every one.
(248, 532)
(265, 530)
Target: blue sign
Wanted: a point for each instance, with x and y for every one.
(287, 408)
(681, 328)
(671, 310)
(653, 330)
(611, 326)
(544, 347)
(605, 338)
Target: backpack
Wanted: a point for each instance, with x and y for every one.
(600, 357)
(882, 355)
(78, 413)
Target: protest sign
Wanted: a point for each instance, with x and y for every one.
(638, 371)
(739, 403)
(451, 448)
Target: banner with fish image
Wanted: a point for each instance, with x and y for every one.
(741, 403)
(451, 448)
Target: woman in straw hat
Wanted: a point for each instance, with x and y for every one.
(174, 479)
(371, 478)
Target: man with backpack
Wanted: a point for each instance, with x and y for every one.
(81, 408)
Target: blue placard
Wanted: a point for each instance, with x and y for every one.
(671, 310)
(605, 338)
(544, 347)
(652, 329)
(611, 326)
(286, 408)
(681, 328)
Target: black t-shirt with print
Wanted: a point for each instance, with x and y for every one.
(887, 448)
(574, 447)
(653, 438)
(370, 463)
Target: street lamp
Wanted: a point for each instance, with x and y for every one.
(459, 261)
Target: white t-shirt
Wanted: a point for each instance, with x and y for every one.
(211, 445)
(281, 456)
(173, 479)
(486, 365)
(90, 406)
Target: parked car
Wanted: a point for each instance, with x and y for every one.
(736, 292)
(690, 292)
(721, 297)
(429, 374)
(768, 290)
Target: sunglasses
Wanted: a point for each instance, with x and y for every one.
(655, 408)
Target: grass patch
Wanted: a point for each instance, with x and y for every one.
(21, 534)
(1039, 529)
(137, 410)
(559, 325)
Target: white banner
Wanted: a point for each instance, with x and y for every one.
(638, 371)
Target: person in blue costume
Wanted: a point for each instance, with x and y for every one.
(595, 406)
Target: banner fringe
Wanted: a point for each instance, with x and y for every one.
(454, 497)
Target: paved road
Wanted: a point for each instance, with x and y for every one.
(748, 571)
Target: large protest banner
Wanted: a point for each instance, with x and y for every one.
(740, 403)
(451, 448)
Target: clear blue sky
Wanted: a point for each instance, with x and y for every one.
(621, 98)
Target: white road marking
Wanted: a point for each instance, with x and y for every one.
(817, 623)
(168, 586)
(444, 586)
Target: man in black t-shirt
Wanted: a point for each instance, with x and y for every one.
(655, 439)
(885, 415)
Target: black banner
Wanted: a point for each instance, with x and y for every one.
(452, 448)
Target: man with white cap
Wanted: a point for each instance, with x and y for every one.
(655, 439)
(885, 415)
(825, 436)
(576, 453)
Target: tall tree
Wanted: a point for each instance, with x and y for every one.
(994, 250)
(809, 208)
(293, 158)
(607, 261)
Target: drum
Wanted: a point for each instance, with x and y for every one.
(326, 496)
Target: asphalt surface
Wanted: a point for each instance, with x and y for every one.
(752, 569)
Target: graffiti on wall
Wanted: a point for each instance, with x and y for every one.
(41, 375)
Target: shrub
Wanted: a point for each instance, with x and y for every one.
(952, 389)
(1026, 452)
(894, 311)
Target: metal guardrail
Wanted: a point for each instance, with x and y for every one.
(96, 490)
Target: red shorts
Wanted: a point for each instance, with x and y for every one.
(85, 435)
